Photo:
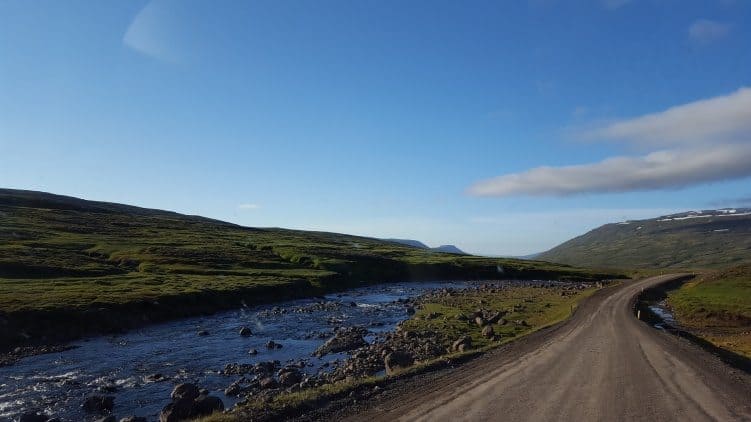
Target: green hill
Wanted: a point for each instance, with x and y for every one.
(701, 239)
(70, 267)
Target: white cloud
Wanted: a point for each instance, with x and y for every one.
(700, 142)
(149, 32)
(248, 207)
(705, 31)
(723, 117)
(657, 170)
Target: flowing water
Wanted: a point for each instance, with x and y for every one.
(124, 365)
(662, 310)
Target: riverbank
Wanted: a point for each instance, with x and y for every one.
(717, 307)
(447, 328)
(709, 310)
(71, 268)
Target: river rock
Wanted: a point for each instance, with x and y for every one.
(177, 411)
(134, 419)
(344, 340)
(245, 332)
(203, 333)
(206, 405)
(187, 403)
(155, 378)
(233, 390)
(289, 377)
(397, 360)
(185, 391)
(271, 344)
(98, 404)
(252, 352)
(268, 383)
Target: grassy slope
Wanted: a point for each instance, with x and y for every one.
(69, 267)
(717, 307)
(692, 243)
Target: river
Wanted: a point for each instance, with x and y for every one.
(124, 365)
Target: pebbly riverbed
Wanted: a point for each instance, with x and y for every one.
(140, 368)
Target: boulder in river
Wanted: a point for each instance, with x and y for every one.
(344, 340)
(271, 344)
(155, 378)
(245, 332)
(203, 333)
(183, 391)
(177, 411)
(269, 383)
(289, 377)
(233, 389)
(98, 404)
(134, 419)
(397, 360)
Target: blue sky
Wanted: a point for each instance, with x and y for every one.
(489, 125)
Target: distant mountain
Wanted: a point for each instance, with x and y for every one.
(693, 239)
(449, 249)
(417, 244)
(409, 242)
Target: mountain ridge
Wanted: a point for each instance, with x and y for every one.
(690, 239)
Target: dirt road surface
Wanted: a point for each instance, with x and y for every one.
(601, 365)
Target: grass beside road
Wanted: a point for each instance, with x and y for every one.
(717, 307)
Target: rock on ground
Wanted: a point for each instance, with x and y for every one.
(397, 360)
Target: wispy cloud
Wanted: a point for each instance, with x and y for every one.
(705, 31)
(247, 207)
(148, 33)
(703, 141)
(657, 170)
(723, 117)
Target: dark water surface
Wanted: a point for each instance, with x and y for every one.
(58, 383)
(662, 310)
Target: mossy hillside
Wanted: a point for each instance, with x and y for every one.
(669, 243)
(71, 262)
